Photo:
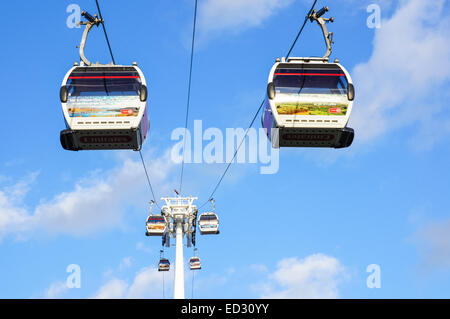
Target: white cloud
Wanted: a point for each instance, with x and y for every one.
(352, 4)
(113, 289)
(316, 276)
(236, 15)
(13, 216)
(403, 81)
(56, 290)
(15, 162)
(3, 179)
(433, 129)
(259, 268)
(142, 247)
(434, 244)
(125, 263)
(96, 203)
(148, 283)
(230, 271)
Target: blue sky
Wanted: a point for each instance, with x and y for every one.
(309, 231)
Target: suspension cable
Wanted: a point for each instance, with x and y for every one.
(234, 156)
(112, 56)
(188, 102)
(148, 179)
(189, 94)
(257, 112)
(301, 29)
(192, 292)
(104, 30)
(164, 295)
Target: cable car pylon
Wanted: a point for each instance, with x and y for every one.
(181, 214)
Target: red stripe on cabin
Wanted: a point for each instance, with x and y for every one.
(312, 74)
(103, 77)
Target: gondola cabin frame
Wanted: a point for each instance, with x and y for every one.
(298, 126)
(122, 128)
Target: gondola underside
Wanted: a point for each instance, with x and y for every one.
(101, 139)
(312, 137)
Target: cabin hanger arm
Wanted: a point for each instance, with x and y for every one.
(92, 21)
(328, 36)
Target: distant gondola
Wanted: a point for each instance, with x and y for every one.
(164, 264)
(195, 263)
(208, 223)
(156, 225)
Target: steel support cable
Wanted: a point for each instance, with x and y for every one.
(259, 109)
(234, 156)
(192, 292)
(164, 296)
(301, 29)
(188, 95)
(104, 30)
(112, 56)
(148, 179)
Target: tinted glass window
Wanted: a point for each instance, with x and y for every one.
(208, 217)
(154, 220)
(107, 82)
(310, 80)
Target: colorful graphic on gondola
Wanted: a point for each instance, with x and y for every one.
(311, 105)
(311, 109)
(103, 107)
(99, 112)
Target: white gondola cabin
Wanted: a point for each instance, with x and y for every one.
(208, 223)
(195, 263)
(164, 264)
(104, 105)
(156, 225)
(309, 100)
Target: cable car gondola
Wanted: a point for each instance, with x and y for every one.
(195, 263)
(156, 225)
(309, 100)
(208, 223)
(164, 264)
(104, 106)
